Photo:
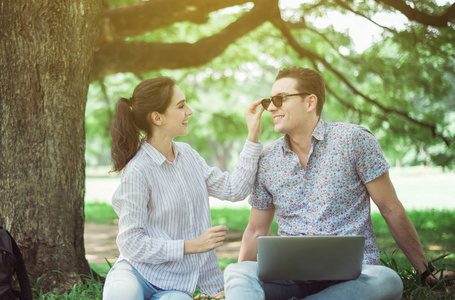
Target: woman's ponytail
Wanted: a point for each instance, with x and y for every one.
(125, 135)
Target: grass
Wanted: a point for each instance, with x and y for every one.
(435, 227)
(102, 268)
(100, 213)
(437, 234)
(91, 288)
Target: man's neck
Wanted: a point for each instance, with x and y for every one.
(300, 142)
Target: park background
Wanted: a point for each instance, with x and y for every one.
(388, 65)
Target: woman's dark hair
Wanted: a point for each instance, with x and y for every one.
(309, 81)
(132, 116)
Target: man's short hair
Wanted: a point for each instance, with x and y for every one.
(308, 81)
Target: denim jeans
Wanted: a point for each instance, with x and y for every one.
(124, 282)
(375, 282)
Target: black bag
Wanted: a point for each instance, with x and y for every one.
(11, 262)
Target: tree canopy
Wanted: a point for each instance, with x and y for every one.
(226, 53)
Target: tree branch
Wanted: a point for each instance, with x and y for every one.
(139, 57)
(349, 105)
(131, 20)
(420, 16)
(361, 112)
(348, 8)
(303, 52)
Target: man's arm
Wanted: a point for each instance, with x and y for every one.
(403, 231)
(258, 225)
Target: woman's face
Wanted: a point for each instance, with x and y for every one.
(175, 118)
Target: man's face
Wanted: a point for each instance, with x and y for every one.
(289, 118)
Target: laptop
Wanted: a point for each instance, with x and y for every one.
(310, 257)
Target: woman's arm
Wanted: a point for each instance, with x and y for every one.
(238, 185)
(253, 120)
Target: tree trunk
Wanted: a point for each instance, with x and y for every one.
(222, 154)
(46, 53)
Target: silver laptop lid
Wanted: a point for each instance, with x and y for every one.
(310, 257)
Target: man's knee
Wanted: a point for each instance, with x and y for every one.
(386, 282)
(240, 274)
(241, 281)
(244, 268)
(393, 282)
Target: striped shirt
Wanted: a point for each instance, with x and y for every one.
(160, 204)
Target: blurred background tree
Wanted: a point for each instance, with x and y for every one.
(224, 54)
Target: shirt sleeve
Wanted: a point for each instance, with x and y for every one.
(261, 198)
(369, 158)
(130, 203)
(238, 185)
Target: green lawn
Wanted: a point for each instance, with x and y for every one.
(436, 229)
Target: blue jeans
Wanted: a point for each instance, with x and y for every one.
(375, 282)
(124, 282)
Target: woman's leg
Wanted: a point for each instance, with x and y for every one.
(124, 282)
(171, 295)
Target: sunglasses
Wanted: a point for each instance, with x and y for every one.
(278, 100)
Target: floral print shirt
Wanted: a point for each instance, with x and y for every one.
(329, 196)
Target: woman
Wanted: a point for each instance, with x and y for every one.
(165, 237)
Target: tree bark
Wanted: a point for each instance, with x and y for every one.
(46, 53)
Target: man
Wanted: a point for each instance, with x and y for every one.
(318, 180)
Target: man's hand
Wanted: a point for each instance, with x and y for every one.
(253, 120)
(438, 275)
(210, 239)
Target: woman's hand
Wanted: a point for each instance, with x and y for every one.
(253, 120)
(210, 239)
